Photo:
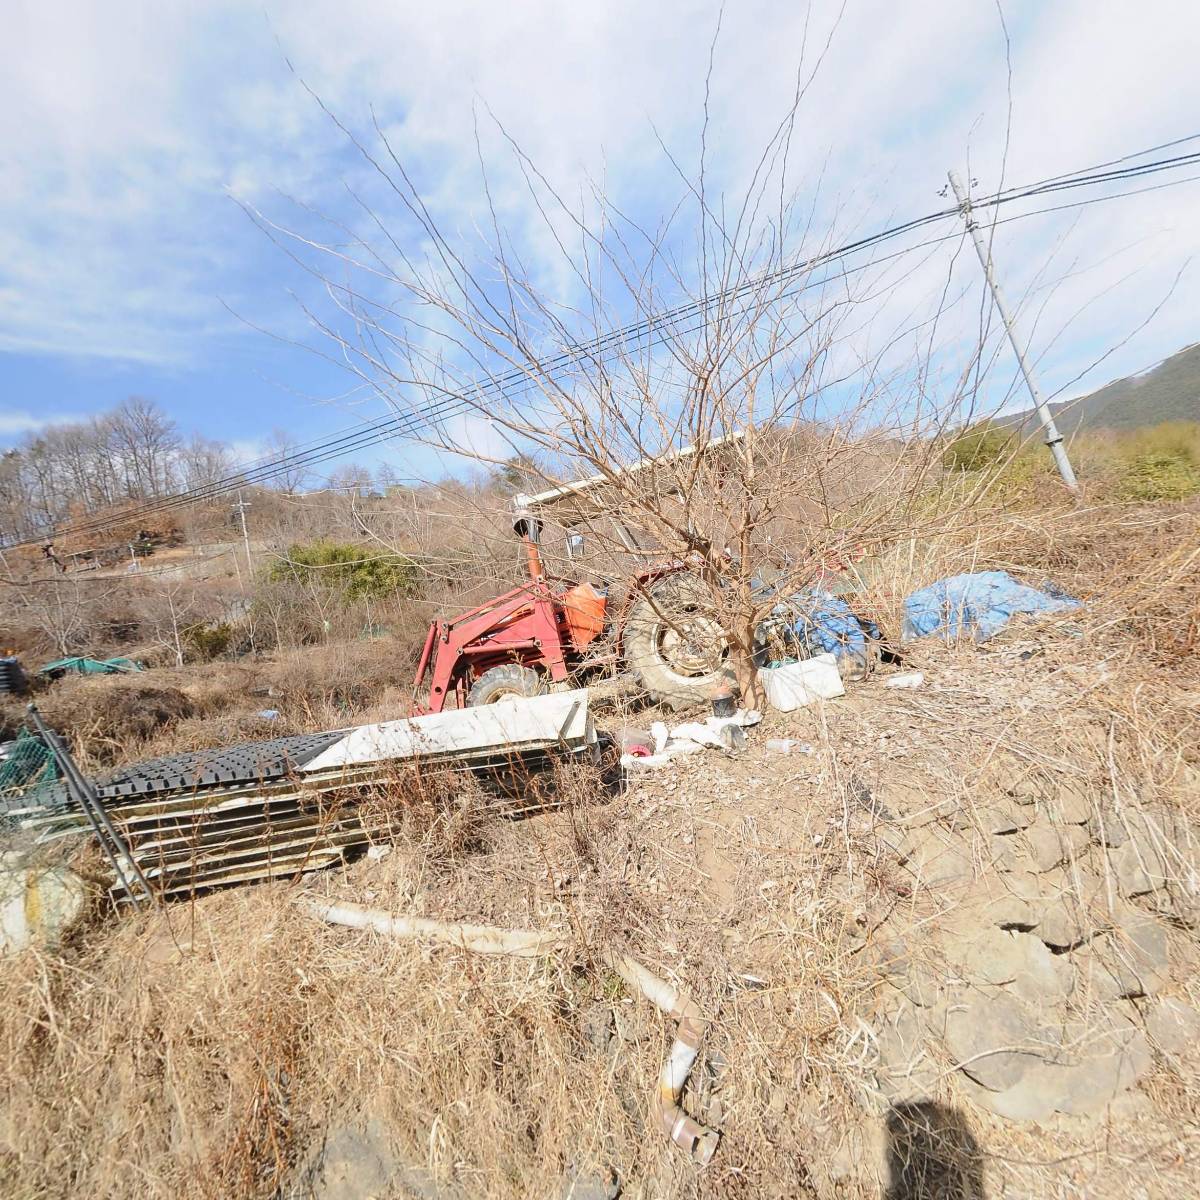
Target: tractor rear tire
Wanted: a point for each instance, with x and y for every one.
(674, 645)
(509, 682)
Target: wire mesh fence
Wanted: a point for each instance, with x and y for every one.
(30, 777)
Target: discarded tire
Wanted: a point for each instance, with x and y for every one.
(509, 682)
(674, 643)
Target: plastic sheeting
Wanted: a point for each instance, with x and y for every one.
(720, 733)
(979, 604)
(796, 685)
(90, 666)
(818, 622)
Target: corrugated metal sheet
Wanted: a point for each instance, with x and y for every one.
(282, 807)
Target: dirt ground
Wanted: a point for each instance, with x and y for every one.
(234, 1046)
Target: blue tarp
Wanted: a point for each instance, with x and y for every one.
(977, 604)
(821, 622)
(980, 604)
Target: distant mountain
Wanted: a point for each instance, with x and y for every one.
(1167, 392)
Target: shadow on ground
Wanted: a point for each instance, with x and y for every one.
(931, 1154)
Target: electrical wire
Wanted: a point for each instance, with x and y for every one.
(413, 421)
(656, 329)
(409, 423)
(1112, 162)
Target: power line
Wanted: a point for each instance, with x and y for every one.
(1112, 162)
(413, 420)
(657, 326)
(321, 450)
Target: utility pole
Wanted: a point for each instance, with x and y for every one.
(1053, 437)
(241, 507)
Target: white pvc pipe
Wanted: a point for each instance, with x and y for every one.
(678, 1066)
(658, 991)
(699, 1142)
(695, 1139)
(482, 939)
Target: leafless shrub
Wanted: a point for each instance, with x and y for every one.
(754, 433)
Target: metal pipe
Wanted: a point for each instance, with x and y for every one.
(98, 831)
(493, 647)
(534, 557)
(88, 797)
(93, 808)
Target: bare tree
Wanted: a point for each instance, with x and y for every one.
(74, 469)
(14, 497)
(290, 475)
(353, 479)
(169, 606)
(146, 440)
(825, 436)
(65, 610)
(202, 462)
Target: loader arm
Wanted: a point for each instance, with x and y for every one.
(521, 625)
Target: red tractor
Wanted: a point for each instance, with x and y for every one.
(550, 630)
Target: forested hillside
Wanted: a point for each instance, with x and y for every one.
(1167, 392)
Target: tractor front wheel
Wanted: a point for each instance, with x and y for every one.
(509, 682)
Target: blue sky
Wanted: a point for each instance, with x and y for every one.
(127, 131)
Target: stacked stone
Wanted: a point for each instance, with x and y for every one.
(1032, 960)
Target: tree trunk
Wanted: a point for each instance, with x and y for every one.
(741, 659)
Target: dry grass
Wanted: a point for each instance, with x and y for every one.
(221, 1037)
(113, 719)
(107, 716)
(207, 1050)
(1136, 567)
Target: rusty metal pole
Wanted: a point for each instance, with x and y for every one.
(529, 529)
(534, 556)
(111, 842)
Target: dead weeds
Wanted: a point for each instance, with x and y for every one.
(209, 1049)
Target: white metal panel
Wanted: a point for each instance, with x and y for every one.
(508, 724)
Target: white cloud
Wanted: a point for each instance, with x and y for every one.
(121, 129)
(117, 238)
(586, 91)
(17, 422)
(248, 450)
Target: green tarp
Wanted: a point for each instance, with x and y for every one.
(90, 666)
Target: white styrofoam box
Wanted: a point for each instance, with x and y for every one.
(796, 684)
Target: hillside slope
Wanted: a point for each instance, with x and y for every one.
(1167, 392)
